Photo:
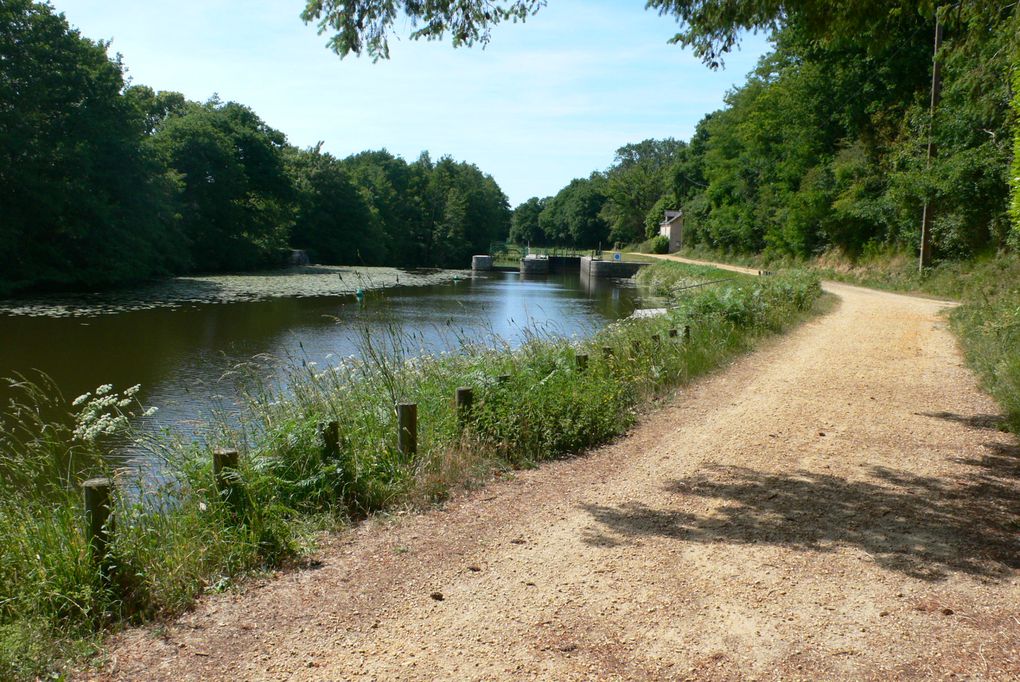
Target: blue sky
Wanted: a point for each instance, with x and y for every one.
(545, 102)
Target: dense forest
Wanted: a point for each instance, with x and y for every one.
(825, 145)
(104, 183)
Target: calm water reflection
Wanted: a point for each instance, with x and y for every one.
(179, 355)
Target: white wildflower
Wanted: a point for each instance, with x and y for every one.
(130, 393)
(82, 398)
(104, 389)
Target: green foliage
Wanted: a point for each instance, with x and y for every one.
(84, 202)
(235, 196)
(333, 219)
(525, 227)
(102, 184)
(640, 175)
(177, 537)
(659, 244)
(574, 216)
(1015, 172)
(363, 26)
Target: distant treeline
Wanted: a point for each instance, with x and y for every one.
(103, 184)
(825, 146)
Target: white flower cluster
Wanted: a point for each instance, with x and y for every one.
(104, 413)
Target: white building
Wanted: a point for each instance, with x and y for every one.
(672, 228)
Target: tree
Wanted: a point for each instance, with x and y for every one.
(1014, 175)
(640, 175)
(236, 199)
(712, 27)
(574, 215)
(524, 226)
(333, 219)
(83, 201)
(363, 25)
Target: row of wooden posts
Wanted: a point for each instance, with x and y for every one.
(98, 491)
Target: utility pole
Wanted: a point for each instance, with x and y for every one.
(936, 93)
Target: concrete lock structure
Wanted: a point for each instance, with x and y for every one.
(481, 263)
(601, 269)
(534, 265)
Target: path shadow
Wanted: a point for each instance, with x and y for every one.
(922, 527)
(992, 422)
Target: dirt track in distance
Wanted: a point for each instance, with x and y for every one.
(837, 505)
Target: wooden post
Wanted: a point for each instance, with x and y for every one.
(687, 333)
(331, 438)
(97, 516)
(465, 397)
(607, 352)
(927, 213)
(224, 464)
(582, 361)
(407, 429)
(672, 333)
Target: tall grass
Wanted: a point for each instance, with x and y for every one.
(176, 537)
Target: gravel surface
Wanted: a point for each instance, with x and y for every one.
(837, 505)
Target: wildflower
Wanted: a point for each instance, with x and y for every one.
(104, 389)
(82, 398)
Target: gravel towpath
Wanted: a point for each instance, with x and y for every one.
(837, 505)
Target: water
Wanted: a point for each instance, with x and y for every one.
(179, 348)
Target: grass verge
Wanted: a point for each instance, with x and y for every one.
(178, 536)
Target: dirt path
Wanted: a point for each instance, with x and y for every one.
(837, 505)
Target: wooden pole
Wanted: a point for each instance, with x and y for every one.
(687, 333)
(331, 438)
(224, 463)
(97, 517)
(928, 212)
(407, 429)
(465, 398)
(582, 361)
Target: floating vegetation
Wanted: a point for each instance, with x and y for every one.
(300, 282)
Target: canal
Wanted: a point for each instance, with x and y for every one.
(181, 347)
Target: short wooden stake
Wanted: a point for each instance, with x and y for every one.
(582, 361)
(465, 398)
(331, 438)
(224, 464)
(407, 429)
(672, 333)
(687, 333)
(97, 517)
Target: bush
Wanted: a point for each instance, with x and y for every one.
(659, 244)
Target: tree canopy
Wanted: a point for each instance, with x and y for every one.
(103, 184)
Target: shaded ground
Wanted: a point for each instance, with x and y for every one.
(838, 505)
